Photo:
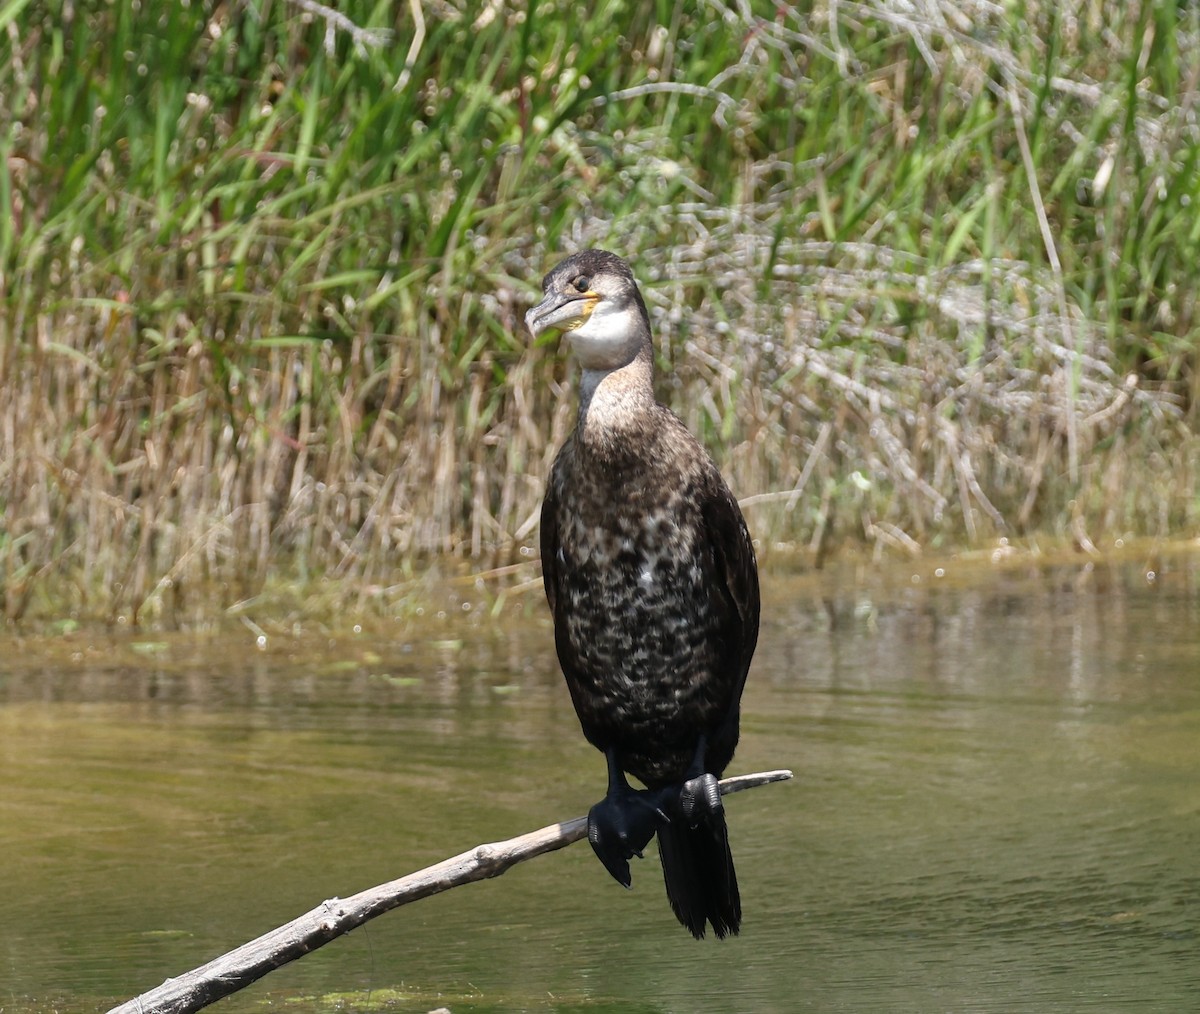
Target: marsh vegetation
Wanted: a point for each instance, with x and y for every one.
(921, 276)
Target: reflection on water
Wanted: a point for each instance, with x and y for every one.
(996, 807)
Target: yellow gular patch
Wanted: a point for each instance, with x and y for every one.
(590, 301)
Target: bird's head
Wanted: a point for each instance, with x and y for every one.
(593, 299)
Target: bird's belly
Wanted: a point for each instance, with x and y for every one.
(645, 640)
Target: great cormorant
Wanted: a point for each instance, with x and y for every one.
(651, 577)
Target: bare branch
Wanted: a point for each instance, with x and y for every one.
(725, 102)
(414, 47)
(333, 918)
(363, 38)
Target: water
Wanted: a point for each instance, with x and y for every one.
(997, 807)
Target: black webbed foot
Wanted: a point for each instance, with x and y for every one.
(700, 799)
(620, 826)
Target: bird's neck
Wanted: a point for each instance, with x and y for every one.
(611, 401)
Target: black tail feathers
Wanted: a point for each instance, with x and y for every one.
(698, 871)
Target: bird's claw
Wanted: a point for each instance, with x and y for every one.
(700, 799)
(620, 827)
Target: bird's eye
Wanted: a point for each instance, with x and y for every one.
(582, 283)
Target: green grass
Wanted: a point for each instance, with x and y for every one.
(260, 307)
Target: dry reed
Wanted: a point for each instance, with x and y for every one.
(911, 287)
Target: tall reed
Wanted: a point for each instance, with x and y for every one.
(920, 275)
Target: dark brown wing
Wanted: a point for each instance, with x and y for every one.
(552, 580)
(737, 573)
(549, 541)
(734, 553)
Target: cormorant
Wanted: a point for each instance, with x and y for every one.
(651, 577)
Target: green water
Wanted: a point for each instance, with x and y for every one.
(996, 807)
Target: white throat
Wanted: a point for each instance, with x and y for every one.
(608, 339)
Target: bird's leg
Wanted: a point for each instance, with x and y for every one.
(699, 795)
(622, 823)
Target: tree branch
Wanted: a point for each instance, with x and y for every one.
(363, 38)
(331, 919)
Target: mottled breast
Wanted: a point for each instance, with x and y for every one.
(639, 614)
